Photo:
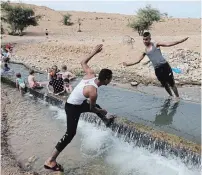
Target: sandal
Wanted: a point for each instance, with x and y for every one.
(57, 167)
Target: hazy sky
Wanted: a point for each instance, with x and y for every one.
(180, 9)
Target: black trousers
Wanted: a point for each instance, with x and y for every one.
(73, 113)
(165, 75)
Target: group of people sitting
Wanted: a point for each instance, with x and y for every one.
(58, 80)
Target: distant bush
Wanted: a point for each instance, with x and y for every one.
(18, 17)
(145, 18)
(67, 19)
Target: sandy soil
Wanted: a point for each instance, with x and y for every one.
(67, 46)
(9, 164)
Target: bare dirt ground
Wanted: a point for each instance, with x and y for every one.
(9, 164)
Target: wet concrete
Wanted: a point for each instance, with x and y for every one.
(182, 119)
(187, 93)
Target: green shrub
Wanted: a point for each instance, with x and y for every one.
(145, 18)
(67, 20)
(18, 17)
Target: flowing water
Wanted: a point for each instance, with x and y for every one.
(96, 151)
(182, 119)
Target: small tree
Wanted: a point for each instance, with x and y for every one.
(67, 19)
(145, 18)
(18, 17)
(140, 25)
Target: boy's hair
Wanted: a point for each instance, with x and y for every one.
(31, 72)
(66, 80)
(64, 67)
(18, 75)
(105, 74)
(146, 34)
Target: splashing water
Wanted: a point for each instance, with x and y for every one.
(123, 158)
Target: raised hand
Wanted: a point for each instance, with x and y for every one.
(97, 49)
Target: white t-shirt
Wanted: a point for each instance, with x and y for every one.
(77, 97)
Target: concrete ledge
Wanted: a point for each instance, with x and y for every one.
(140, 135)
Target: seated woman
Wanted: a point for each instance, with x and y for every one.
(67, 74)
(20, 83)
(58, 85)
(52, 71)
(32, 82)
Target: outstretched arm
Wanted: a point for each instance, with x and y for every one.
(84, 62)
(171, 43)
(135, 62)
